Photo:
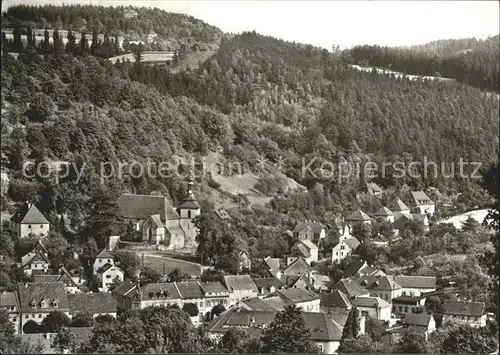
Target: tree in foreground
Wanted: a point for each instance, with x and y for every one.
(218, 309)
(82, 319)
(7, 331)
(191, 309)
(31, 327)
(288, 333)
(55, 321)
(465, 339)
(65, 341)
(351, 328)
(413, 343)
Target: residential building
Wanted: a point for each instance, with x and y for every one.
(472, 313)
(107, 275)
(350, 288)
(29, 220)
(191, 292)
(271, 267)
(423, 203)
(308, 251)
(97, 304)
(36, 261)
(240, 287)
(72, 284)
(344, 248)
(399, 208)
(375, 307)
(214, 293)
(421, 323)
(381, 286)
(401, 223)
(268, 285)
(297, 267)
(103, 258)
(127, 295)
(10, 303)
(336, 302)
(241, 262)
(358, 217)
(309, 301)
(38, 299)
(408, 304)
(384, 214)
(414, 285)
(325, 332)
(294, 281)
(310, 230)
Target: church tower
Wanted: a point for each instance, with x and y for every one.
(188, 210)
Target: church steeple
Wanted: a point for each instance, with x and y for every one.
(190, 202)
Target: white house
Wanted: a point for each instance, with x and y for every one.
(36, 261)
(344, 248)
(108, 274)
(415, 285)
(308, 250)
(423, 203)
(103, 258)
(400, 208)
(472, 313)
(240, 287)
(375, 307)
(384, 214)
(29, 220)
(310, 230)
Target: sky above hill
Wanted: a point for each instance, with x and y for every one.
(323, 23)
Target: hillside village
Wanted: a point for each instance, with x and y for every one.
(251, 297)
(259, 255)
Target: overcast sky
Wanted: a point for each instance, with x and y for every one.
(323, 23)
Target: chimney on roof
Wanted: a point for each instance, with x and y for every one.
(29, 204)
(25, 285)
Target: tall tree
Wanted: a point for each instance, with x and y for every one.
(351, 328)
(288, 333)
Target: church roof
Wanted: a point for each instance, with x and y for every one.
(142, 206)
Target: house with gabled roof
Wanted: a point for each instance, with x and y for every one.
(369, 189)
(9, 302)
(350, 288)
(335, 302)
(97, 304)
(415, 285)
(103, 258)
(471, 313)
(107, 275)
(297, 267)
(310, 230)
(38, 299)
(417, 322)
(360, 268)
(402, 222)
(308, 250)
(72, 284)
(358, 217)
(344, 248)
(36, 261)
(325, 333)
(29, 220)
(268, 285)
(214, 293)
(308, 300)
(380, 286)
(422, 203)
(240, 287)
(384, 214)
(400, 208)
(374, 307)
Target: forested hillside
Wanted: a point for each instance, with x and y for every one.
(134, 23)
(470, 61)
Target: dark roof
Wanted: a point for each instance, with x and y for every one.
(239, 282)
(190, 203)
(167, 291)
(399, 206)
(292, 280)
(358, 216)
(104, 254)
(316, 227)
(257, 304)
(298, 267)
(9, 299)
(402, 221)
(94, 303)
(213, 287)
(143, 206)
(37, 255)
(474, 309)
(419, 319)
(415, 281)
(421, 198)
(355, 267)
(189, 289)
(297, 295)
(303, 250)
(373, 188)
(372, 302)
(124, 288)
(320, 326)
(383, 212)
(352, 243)
(265, 284)
(407, 299)
(106, 267)
(378, 282)
(29, 214)
(335, 299)
(350, 288)
(38, 291)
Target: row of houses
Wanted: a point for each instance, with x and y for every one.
(35, 300)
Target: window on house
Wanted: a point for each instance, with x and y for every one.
(406, 309)
(109, 260)
(12, 308)
(189, 214)
(108, 276)
(342, 247)
(39, 316)
(41, 225)
(404, 293)
(14, 319)
(320, 347)
(29, 226)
